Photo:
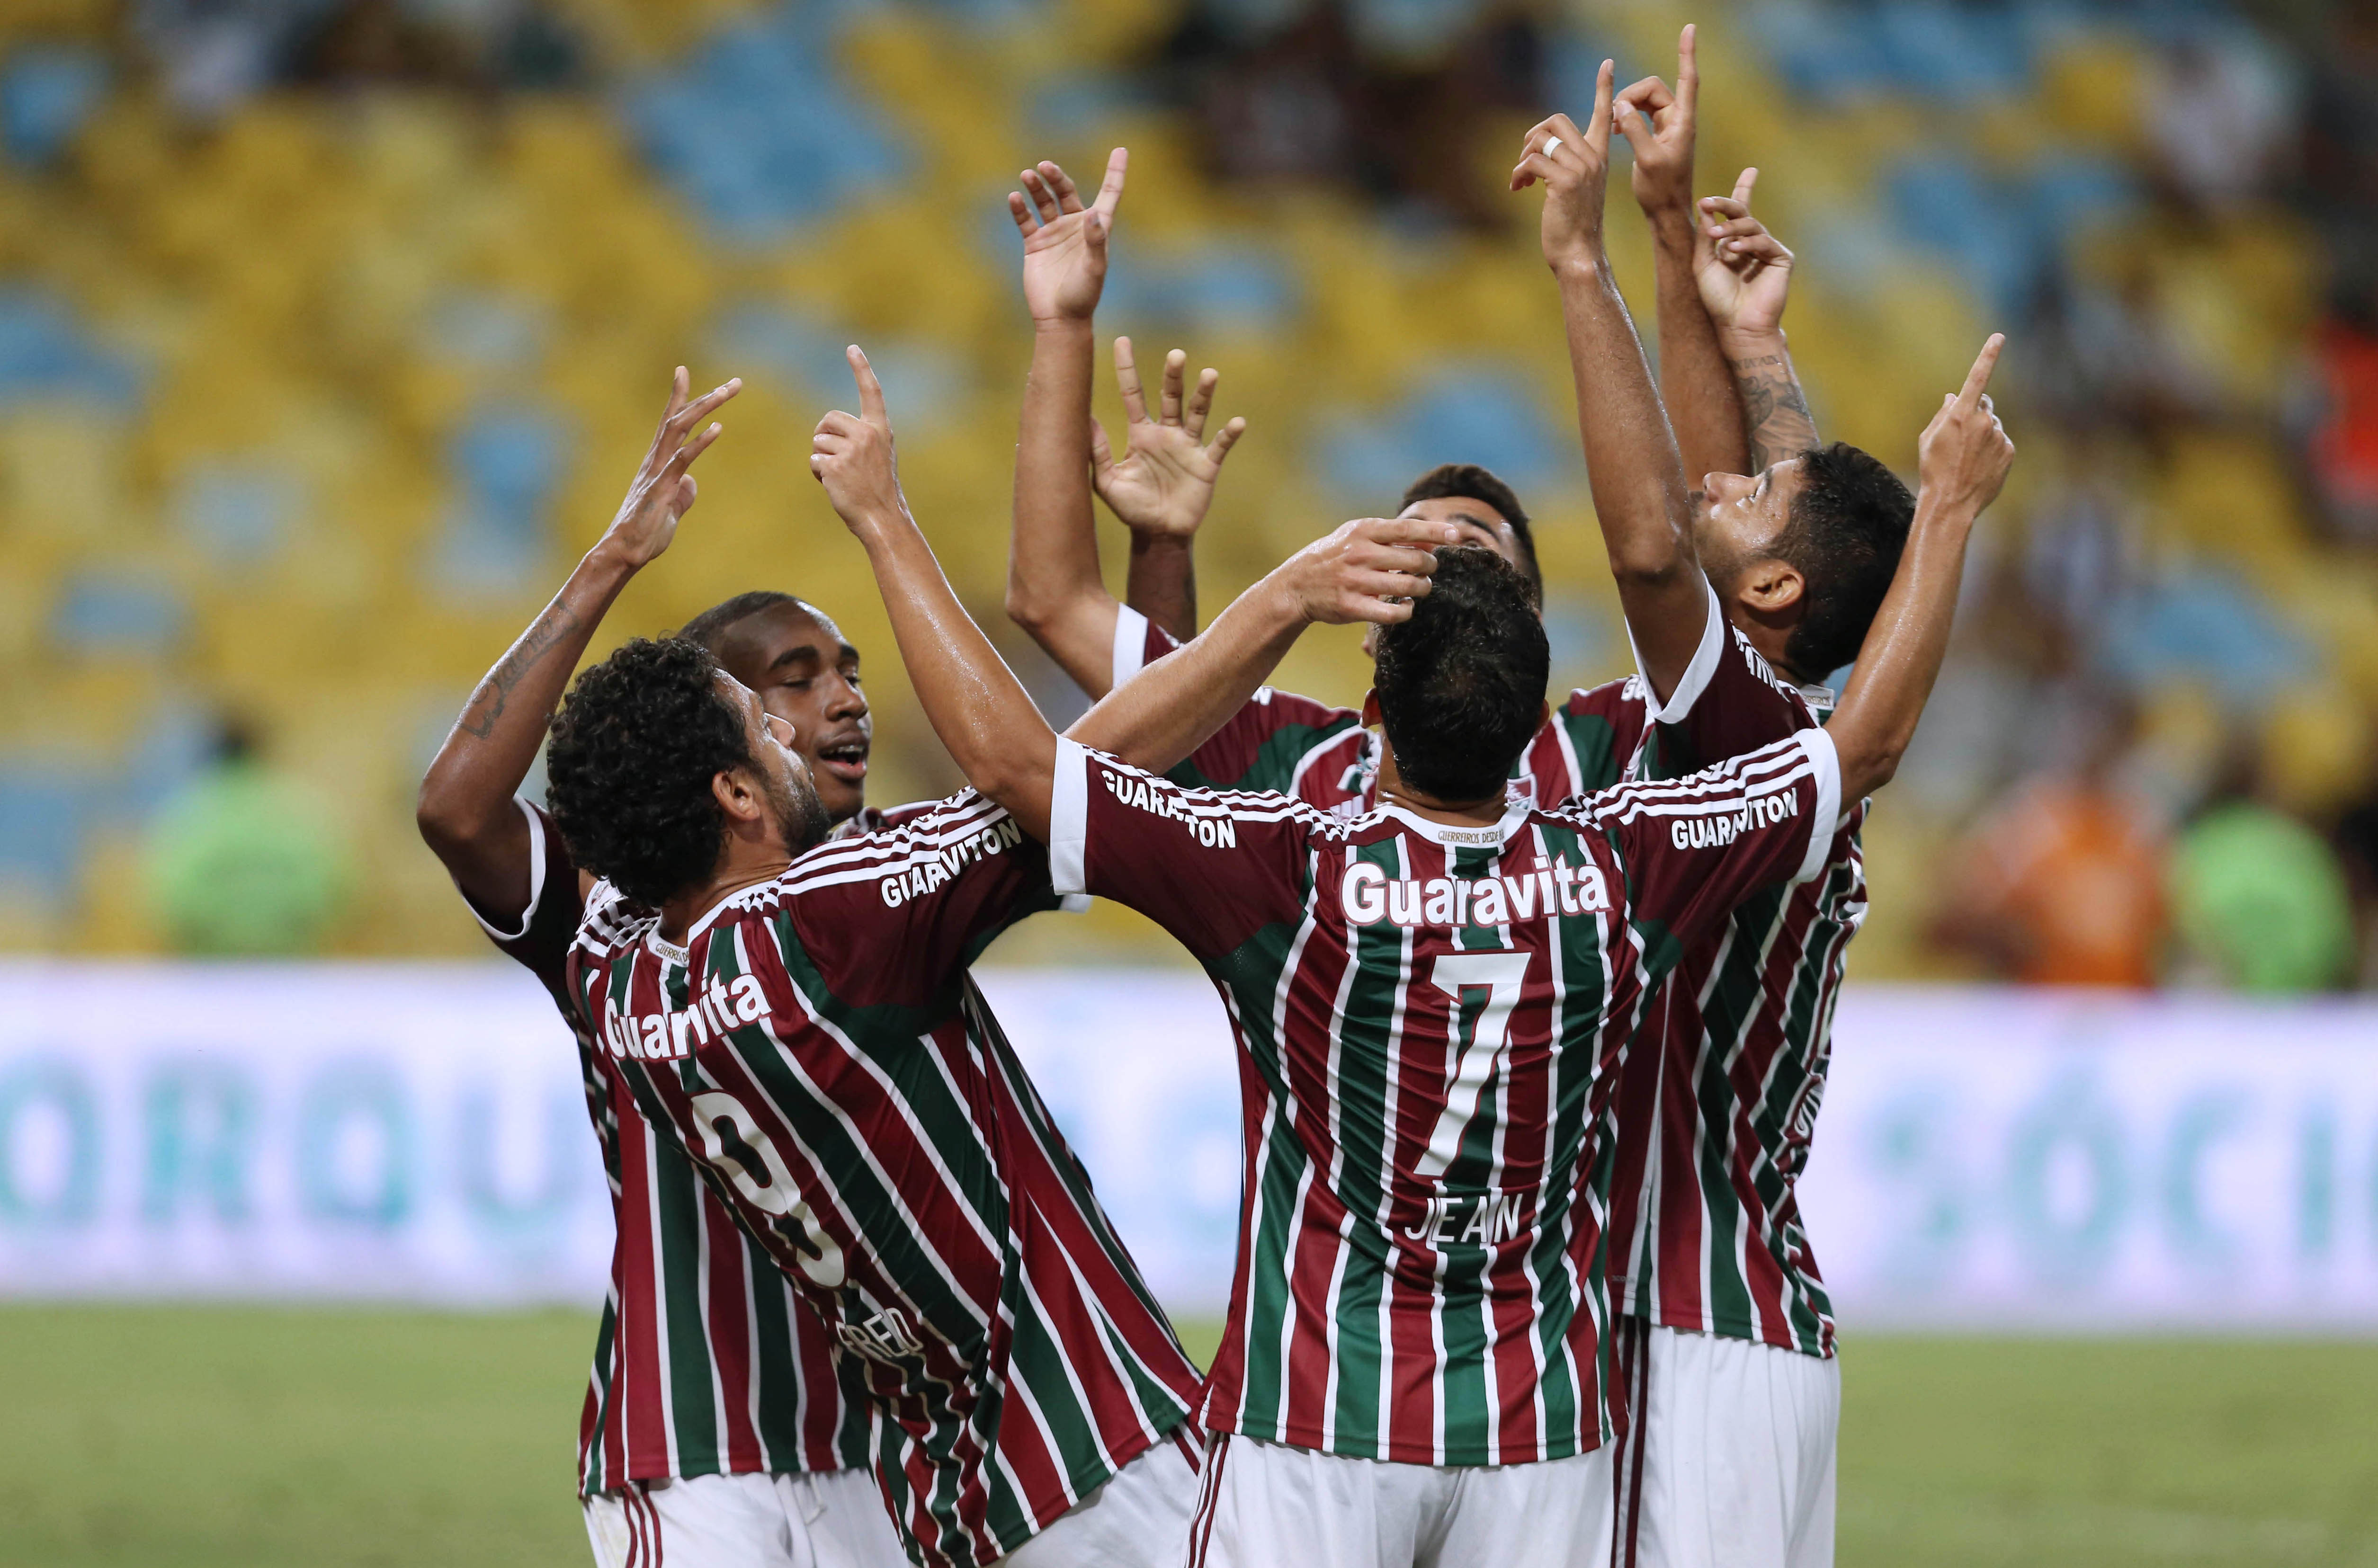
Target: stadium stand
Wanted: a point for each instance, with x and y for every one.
(329, 330)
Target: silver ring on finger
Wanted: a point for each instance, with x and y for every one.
(1550, 142)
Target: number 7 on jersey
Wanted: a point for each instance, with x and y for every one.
(1501, 976)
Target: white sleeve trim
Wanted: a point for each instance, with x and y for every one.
(1129, 643)
(536, 880)
(1069, 816)
(1700, 673)
(1825, 822)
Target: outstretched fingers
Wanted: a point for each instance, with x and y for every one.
(1111, 188)
(1134, 404)
(1201, 402)
(1176, 366)
(1224, 439)
(1060, 184)
(1044, 200)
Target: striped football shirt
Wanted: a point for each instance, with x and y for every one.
(706, 1360)
(1722, 1091)
(816, 1046)
(1429, 1018)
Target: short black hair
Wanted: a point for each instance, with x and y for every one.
(1469, 481)
(709, 628)
(1848, 525)
(628, 772)
(1462, 684)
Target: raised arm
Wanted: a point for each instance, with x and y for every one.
(466, 810)
(1745, 275)
(1639, 494)
(1054, 588)
(1695, 381)
(1964, 458)
(1161, 485)
(995, 734)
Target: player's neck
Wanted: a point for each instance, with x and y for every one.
(736, 872)
(1393, 791)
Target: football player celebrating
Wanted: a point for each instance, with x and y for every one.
(717, 1429)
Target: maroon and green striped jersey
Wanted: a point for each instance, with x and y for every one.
(706, 1362)
(1722, 1091)
(818, 1048)
(1429, 1020)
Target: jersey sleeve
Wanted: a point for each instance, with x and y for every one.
(894, 916)
(1693, 849)
(1261, 747)
(538, 938)
(1728, 702)
(1211, 866)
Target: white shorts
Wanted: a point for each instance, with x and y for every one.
(1264, 1505)
(1728, 1457)
(831, 1520)
(1137, 1520)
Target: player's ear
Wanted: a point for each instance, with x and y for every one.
(733, 789)
(1770, 587)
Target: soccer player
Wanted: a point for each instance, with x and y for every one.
(805, 1028)
(1726, 1334)
(1430, 999)
(716, 1427)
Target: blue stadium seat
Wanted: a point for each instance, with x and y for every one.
(1480, 414)
(757, 131)
(2207, 625)
(237, 514)
(103, 614)
(45, 356)
(46, 94)
(43, 817)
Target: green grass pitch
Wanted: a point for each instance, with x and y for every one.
(207, 1437)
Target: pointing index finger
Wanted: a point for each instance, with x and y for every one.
(1977, 379)
(1688, 71)
(870, 391)
(1597, 129)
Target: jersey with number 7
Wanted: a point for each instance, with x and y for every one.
(1429, 1019)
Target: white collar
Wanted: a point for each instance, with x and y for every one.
(1463, 835)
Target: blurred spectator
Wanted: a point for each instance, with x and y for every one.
(2342, 449)
(2259, 903)
(1388, 99)
(2357, 854)
(242, 862)
(2062, 884)
(2219, 115)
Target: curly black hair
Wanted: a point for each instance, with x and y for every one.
(1848, 525)
(628, 772)
(1462, 684)
(1474, 482)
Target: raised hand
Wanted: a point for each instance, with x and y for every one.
(663, 490)
(1663, 179)
(853, 456)
(1963, 455)
(1369, 570)
(1575, 168)
(1064, 242)
(1164, 481)
(1744, 272)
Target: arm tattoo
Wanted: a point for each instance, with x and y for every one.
(487, 703)
(1775, 411)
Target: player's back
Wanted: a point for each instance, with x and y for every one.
(816, 1047)
(1428, 1014)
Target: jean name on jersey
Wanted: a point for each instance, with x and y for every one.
(926, 870)
(1370, 897)
(1715, 832)
(1214, 828)
(1483, 1219)
(661, 1036)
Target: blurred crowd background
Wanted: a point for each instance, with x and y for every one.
(331, 329)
